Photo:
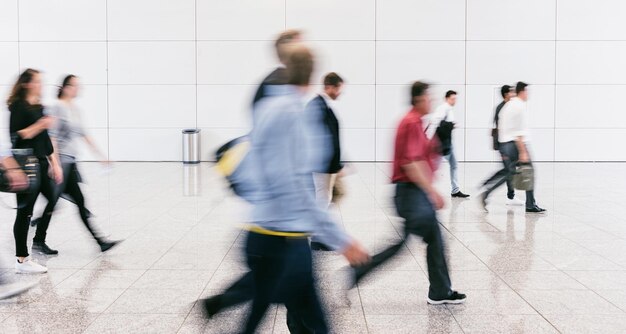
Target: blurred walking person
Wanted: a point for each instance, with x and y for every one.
(513, 136)
(66, 135)
(442, 122)
(279, 75)
(325, 139)
(416, 159)
(507, 93)
(28, 128)
(16, 180)
(278, 252)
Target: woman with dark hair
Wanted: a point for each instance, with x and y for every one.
(28, 128)
(65, 134)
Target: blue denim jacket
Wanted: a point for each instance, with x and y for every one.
(282, 160)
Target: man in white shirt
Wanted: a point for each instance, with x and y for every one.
(445, 112)
(513, 136)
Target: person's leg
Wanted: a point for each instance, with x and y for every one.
(266, 261)
(454, 181)
(305, 313)
(72, 188)
(52, 192)
(378, 259)
(421, 220)
(323, 195)
(239, 292)
(25, 204)
(505, 175)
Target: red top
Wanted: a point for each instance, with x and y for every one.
(413, 145)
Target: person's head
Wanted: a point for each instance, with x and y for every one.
(451, 97)
(420, 98)
(507, 92)
(521, 90)
(28, 86)
(68, 88)
(283, 41)
(333, 85)
(299, 63)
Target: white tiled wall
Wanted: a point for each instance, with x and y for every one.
(153, 67)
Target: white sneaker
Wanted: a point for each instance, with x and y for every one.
(14, 289)
(29, 267)
(515, 202)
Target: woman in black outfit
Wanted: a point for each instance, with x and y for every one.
(28, 128)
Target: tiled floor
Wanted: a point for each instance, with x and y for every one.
(560, 272)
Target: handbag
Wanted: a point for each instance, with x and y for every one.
(524, 177)
(29, 165)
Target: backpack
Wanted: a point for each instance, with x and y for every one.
(234, 163)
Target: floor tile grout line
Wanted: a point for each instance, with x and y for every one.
(145, 271)
(594, 291)
(501, 279)
(358, 290)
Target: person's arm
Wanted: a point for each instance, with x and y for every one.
(417, 172)
(16, 176)
(95, 148)
(520, 141)
(55, 165)
(38, 127)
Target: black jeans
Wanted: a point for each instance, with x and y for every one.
(71, 188)
(510, 158)
(421, 220)
(25, 206)
(282, 271)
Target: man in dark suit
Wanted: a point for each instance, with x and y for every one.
(279, 75)
(326, 143)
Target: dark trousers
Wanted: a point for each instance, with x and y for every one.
(25, 206)
(421, 220)
(243, 290)
(282, 271)
(71, 188)
(510, 158)
(510, 190)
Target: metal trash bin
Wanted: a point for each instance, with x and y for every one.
(191, 146)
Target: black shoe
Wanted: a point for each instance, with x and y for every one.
(318, 246)
(535, 209)
(460, 195)
(42, 248)
(34, 222)
(211, 306)
(453, 298)
(107, 245)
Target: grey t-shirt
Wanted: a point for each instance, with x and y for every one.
(67, 129)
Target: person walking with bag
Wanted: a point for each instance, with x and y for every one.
(513, 136)
(29, 130)
(507, 93)
(65, 134)
(14, 179)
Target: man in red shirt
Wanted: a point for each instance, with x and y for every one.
(414, 164)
